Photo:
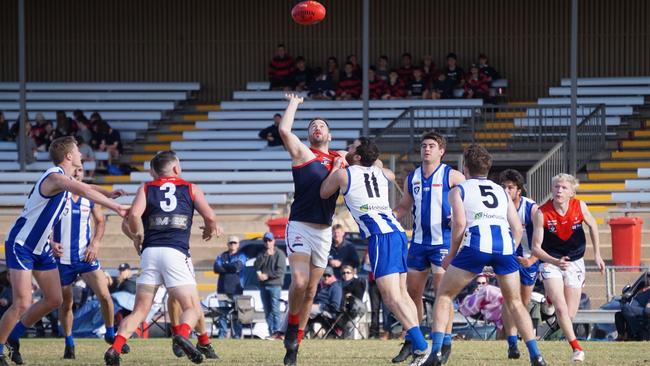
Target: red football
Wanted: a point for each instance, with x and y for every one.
(308, 12)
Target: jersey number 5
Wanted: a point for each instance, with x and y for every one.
(169, 204)
(486, 191)
(369, 189)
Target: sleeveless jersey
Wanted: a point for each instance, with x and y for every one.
(33, 227)
(367, 199)
(307, 205)
(564, 235)
(486, 210)
(431, 209)
(73, 231)
(168, 217)
(524, 212)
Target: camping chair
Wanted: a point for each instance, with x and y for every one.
(245, 306)
(633, 321)
(219, 306)
(158, 313)
(353, 311)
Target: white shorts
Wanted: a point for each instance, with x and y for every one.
(166, 266)
(573, 276)
(316, 243)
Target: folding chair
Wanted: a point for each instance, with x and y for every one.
(219, 306)
(353, 311)
(245, 306)
(157, 313)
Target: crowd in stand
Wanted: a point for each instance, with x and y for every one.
(414, 81)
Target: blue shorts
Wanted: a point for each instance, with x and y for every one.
(68, 272)
(473, 260)
(421, 257)
(21, 258)
(387, 253)
(528, 276)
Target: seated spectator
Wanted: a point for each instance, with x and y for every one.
(65, 126)
(302, 76)
(417, 89)
(280, 68)
(342, 252)
(333, 72)
(442, 88)
(406, 70)
(5, 135)
(322, 88)
(636, 315)
(383, 68)
(352, 59)
(272, 135)
(87, 154)
(477, 85)
(454, 72)
(429, 69)
(349, 84)
(486, 300)
(376, 86)
(352, 286)
(230, 266)
(123, 281)
(396, 87)
(329, 296)
(46, 137)
(30, 143)
(110, 141)
(79, 117)
(486, 69)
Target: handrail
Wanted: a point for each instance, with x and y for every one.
(538, 177)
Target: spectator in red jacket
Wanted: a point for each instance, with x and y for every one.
(280, 69)
(477, 84)
(396, 87)
(377, 87)
(349, 84)
(406, 70)
(355, 64)
(383, 68)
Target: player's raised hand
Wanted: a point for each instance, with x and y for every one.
(57, 249)
(294, 98)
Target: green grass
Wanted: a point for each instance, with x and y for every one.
(330, 352)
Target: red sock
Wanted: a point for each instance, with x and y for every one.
(174, 329)
(118, 343)
(294, 319)
(184, 330)
(204, 339)
(575, 345)
(301, 332)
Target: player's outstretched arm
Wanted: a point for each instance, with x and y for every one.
(593, 234)
(300, 153)
(110, 194)
(516, 228)
(527, 262)
(455, 178)
(98, 234)
(56, 183)
(210, 226)
(337, 179)
(404, 206)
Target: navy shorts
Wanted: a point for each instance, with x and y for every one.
(68, 272)
(421, 257)
(21, 258)
(387, 253)
(528, 276)
(474, 261)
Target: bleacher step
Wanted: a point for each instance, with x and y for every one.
(611, 165)
(630, 154)
(600, 187)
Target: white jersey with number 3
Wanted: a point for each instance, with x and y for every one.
(367, 199)
(486, 210)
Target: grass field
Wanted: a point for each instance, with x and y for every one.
(330, 352)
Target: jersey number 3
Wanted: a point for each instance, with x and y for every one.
(486, 191)
(169, 204)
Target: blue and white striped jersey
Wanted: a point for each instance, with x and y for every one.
(73, 231)
(524, 212)
(33, 227)
(486, 210)
(431, 209)
(367, 199)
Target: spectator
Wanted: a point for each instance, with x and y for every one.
(486, 69)
(65, 126)
(271, 134)
(84, 131)
(333, 71)
(30, 143)
(87, 154)
(442, 88)
(486, 300)
(280, 68)
(5, 292)
(376, 86)
(46, 137)
(429, 69)
(383, 68)
(302, 76)
(5, 135)
(110, 141)
(322, 88)
(79, 117)
(270, 266)
(328, 296)
(406, 70)
(396, 87)
(352, 286)
(418, 87)
(477, 85)
(123, 281)
(636, 315)
(352, 59)
(349, 84)
(230, 265)
(454, 72)
(342, 251)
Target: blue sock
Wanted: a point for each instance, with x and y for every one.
(533, 351)
(417, 339)
(512, 341)
(69, 341)
(446, 340)
(110, 332)
(436, 341)
(18, 331)
(407, 338)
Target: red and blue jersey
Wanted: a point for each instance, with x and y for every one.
(307, 205)
(564, 234)
(167, 218)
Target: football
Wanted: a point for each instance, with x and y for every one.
(308, 12)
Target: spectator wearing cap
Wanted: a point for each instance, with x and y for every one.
(230, 265)
(123, 281)
(329, 295)
(342, 252)
(270, 266)
(272, 135)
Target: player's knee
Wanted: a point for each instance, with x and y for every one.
(310, 292)
(21, 305)
(299, 283)
(54, 301)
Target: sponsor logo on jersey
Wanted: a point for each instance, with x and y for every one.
(416, 189)
(367, 207)
(485, 215)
